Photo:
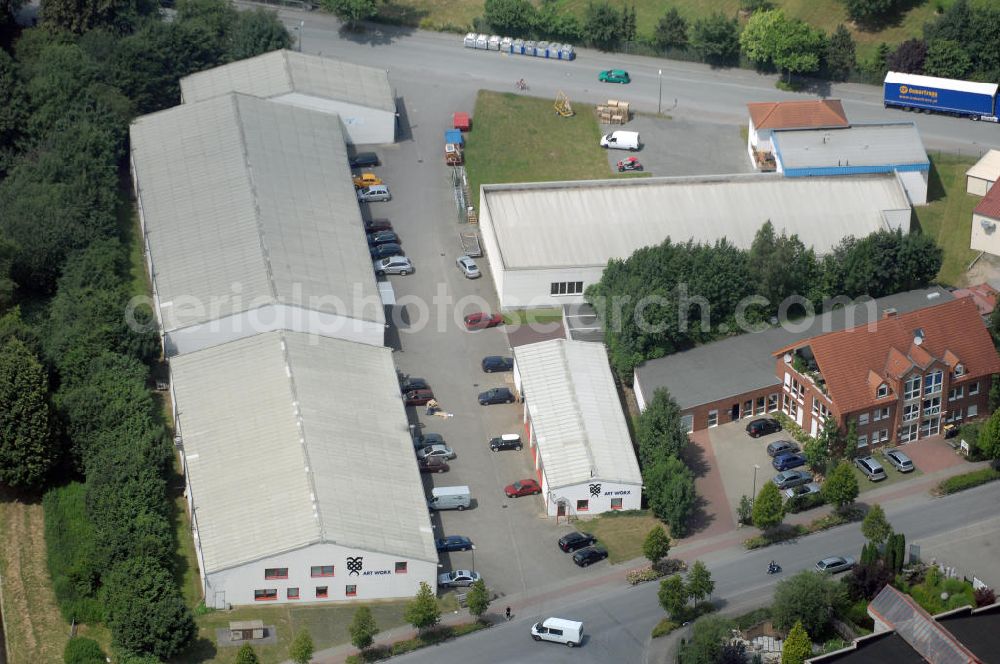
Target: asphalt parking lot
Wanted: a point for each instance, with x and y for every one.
(515, 543)
(736, 453)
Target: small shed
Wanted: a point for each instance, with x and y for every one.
(246, 630)
(983, 174)
(462, 122)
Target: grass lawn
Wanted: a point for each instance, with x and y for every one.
(522, 139)
(621, 533)
(948, 218)
(529, 316)
(892, 476)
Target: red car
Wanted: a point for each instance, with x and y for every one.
(481, 320)
(417, 397)
(433, 465)
(629, 164)
(522, 488)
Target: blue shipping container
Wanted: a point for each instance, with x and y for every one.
(913, 92)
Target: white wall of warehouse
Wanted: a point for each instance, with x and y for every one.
(985, 234)
(362, 125)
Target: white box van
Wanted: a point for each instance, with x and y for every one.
(376, 192)
(621, 140)
(558, 630)
(450, 498)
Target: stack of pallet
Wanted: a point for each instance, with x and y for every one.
(614, 112)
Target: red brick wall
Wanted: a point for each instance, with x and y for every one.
(724, 406)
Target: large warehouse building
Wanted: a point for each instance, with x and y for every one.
(574, 423)
(299, 490)
(547, 242)
(361, 96)
(251, 224)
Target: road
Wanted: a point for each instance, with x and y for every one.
(690, 91)
(618, 620)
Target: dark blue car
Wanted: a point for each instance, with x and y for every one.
(787, 461)
(453, 543)
(496, 395)
(496, 363)
(386, 250)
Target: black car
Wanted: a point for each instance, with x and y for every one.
(576, 540)
(421, 439)
(453, 543)
(762, 427)
(496, 363)
(382, 237)
(413, 384)
(364, 160)
(589, 555)
(496, 395)
(377, 225)
(508, 441)
(386, 250)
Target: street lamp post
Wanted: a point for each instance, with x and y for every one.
(753, 496)
(659, 103)
(300, 28)
(473, 557)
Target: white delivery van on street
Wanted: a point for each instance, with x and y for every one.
(558, 630)
(450, 498)
(621, 140)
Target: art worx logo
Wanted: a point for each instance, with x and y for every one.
(595, 490)
(355, 565)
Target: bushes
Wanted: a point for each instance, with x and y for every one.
(966, 481)
(71, 553)
(81, 650)
(796, 505)
(664, 627)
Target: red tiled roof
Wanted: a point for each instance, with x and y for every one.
(846, 358)
(990, 205)
(798, 114)
(984, 295)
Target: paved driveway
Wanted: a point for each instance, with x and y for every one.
(737, 454)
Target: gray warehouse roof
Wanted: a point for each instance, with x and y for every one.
(744, 363)
(576, 413)
(575, 224)
(250, 201)
(290, 440)
(288, 72)
(890, 144)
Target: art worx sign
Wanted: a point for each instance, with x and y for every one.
(355, 567)
(595, 491)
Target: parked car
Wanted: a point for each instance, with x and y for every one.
(629, 164)
(899, 461)
(433, 465)
(522, 488)
(376, 225)
(496, 395)
(421, 439)
(468, 267)
(410, 384)
(393, 265)
(417, 397)
(364, 160)
(558, 630)
(789, 478)
(589, 555)
(763, 426)
(780, 447)
(835, 564)
(493, 363)
(460, 578)
(366, 180)
(787, 461)
(801, 491)
(453, 543)
(481, 320)
(614, 76)
(508, 441)
(576, 540)
(382, 237)
(442, 451)
(378, 193)
(385, 250)
(871, 468)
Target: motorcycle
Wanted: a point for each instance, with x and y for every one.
(773, 568)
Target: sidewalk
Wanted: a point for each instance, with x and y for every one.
(688, 550)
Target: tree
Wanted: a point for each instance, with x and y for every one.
(551, 22)
(909, 57)
(510, 17)
(947, 58)
(768, 510)
(255, 32)
(867, 579)
(351, 12)
(780, 266)
(478, 599)
(706, 643)
(656, 545)
(808, 597)
(302, 648)
(716, 39)
(875, 527)
(817, 450)
(869, 13)
(79, 16)
(628, 24)
(699, 582)
(658, 429)
(841, 56)
(671, 31)
(602, 24)
(994, 400)
(989, 436)
(744, 513)
(790, 45)
(27, 448)
(363, 628)
(246, 655)
(673, 596)
(994, 326)
(798, 646)
(841, 486)
(670, 489)
(423, 611)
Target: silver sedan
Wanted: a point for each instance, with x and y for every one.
(468, 267)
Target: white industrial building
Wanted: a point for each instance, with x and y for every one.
(983, 174)
(860, 149)
(301, 481)
(547, 242)
(767, 117)
(361, 96)
(580, 443)
(251, 224)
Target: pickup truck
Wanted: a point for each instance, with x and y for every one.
(470, 244)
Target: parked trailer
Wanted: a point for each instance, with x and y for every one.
(977, 101)
(470, 244)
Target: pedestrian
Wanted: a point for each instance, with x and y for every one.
(507, 613)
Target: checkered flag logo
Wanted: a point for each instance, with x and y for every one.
(595, 490)
(354, 565)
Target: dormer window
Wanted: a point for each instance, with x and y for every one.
(959, 370)
(882, 392)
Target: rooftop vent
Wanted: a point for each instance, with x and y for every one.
(889, 313)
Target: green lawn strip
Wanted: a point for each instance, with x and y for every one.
(429, 638)
(621, 533)
(787, 532)
(948, 217)
(529, 316)
(967, 481)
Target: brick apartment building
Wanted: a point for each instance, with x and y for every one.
(900, 377)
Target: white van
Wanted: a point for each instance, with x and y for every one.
(621, 140)
(558, 630)
(450, 498)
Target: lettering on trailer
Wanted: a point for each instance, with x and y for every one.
(620, 492)
(905, 90)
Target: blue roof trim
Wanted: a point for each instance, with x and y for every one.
(854, 170)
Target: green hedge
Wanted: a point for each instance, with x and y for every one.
(431, 637)
(796, 505)
(967, 481)
(664, 627)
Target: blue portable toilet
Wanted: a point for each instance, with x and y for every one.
(453, 136)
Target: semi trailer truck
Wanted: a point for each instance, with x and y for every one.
(912, 92)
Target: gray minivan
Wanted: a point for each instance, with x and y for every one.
(871, 468)
(374, 194)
